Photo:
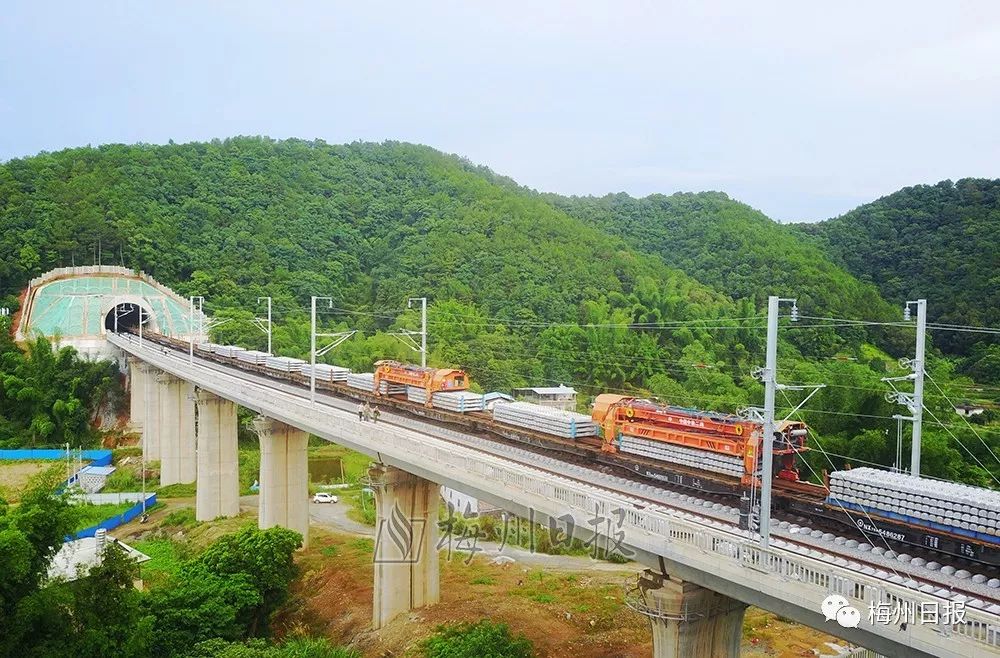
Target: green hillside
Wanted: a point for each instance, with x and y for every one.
(368, 225)
(940, 242)
(524, 288)
(731, 247)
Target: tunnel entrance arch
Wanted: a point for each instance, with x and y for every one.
(125, 317)
(129, 310)
(78, 307)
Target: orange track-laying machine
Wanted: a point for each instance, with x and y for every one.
(621, 416)
(432, 380)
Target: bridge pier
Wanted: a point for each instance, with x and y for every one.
(690, 620)
(137, 393)
(176, 430)
(284, 476)
(218, 491)
(151, 412)
(407, 572)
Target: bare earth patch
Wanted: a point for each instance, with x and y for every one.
(15, 476)
(575, 613)
(566, 614)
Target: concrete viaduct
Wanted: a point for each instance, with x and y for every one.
(702, 573)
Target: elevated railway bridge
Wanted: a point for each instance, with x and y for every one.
(702, 569)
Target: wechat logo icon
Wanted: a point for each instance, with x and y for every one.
(835, 607)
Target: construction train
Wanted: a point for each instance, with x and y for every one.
(713, 453)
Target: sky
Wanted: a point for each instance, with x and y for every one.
(803, 110)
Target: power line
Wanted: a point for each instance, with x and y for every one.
(844, 413)
(667, 324)
(567, 357)
(969, 330)
(598, 388)
(839, 504)
(988, 449)
(845, 322)
(628, 326)
(963, 446)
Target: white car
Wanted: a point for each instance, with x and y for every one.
(323, 497)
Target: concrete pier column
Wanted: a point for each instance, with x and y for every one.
(218, 491)
(284, 477)
(137, 394)
(176, 430)
(689, 620)
(151, 412)
(407, 572)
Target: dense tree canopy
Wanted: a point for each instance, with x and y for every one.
(226, 594)
(659, 296)
(368, 224)
(939, 242)
(49, 397)
(731, 247)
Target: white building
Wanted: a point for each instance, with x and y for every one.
(558, 397)
(969, 410)
(76, 557)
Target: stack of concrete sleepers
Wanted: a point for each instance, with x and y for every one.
(327, 373)
(361, 380)
(704, 460)
(566, 424)
(459, 401)
(392, 389)
(229, 351)
(253, 356)
(933, 502)
(285, 364)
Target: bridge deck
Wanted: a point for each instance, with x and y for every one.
(695, 548)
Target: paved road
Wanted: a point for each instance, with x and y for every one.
(332, 516)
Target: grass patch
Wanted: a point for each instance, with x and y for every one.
(165, 560)
(187, 490)
(249, 470)
(17, 475)
(122, 480)
(483, 638)
(362, 513)
(121, 453)
(363, 544)
(483, 580)
(355, 463)
(329, 551)
(601, 602)
(183, 518)
(90, 515)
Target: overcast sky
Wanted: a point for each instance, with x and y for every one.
(799, 111)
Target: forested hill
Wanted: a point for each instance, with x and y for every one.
(731, 247)
(938, 241)
(368, 224)
(526, 289)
